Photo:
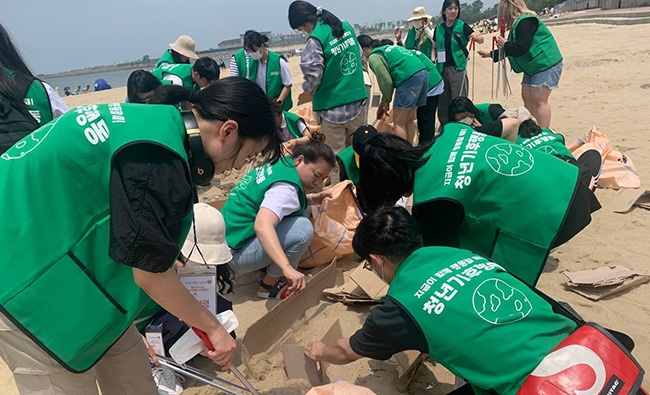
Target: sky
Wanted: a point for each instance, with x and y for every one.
(61, 35)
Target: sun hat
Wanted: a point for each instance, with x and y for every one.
(185, 46)
(209, 246)
(359, 138)
(419, 13)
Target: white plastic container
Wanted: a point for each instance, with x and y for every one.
(190, 345)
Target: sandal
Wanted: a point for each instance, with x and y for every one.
(277, 291)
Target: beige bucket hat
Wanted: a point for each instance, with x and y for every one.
(208, 245)
(419, 13)
(185, 46)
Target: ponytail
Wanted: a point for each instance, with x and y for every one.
(315, 149)
(301, 12)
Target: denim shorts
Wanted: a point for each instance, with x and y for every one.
(549, 77)
(413, 92)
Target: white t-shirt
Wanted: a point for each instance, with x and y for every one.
(282, 199)
(57, 104)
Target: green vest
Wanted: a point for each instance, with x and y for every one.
(547, 141)
(515, 200)
(425, 46)
(480, 322)
(543, 54)
(36, 99)
(484, 113)
(245, 200)
(350, 164)
(342, 81)
(38, 103)
(456, 51)
(166, 58)
(432, 71)
(274, 83)
(402, 63)
(182, 71)
(292, 123)
(58, 283)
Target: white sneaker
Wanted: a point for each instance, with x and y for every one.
(167, 381)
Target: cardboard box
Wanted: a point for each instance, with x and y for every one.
(298, 366)
(262, 334)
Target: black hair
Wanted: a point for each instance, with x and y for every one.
(460, 104)
(385, 41)
(365, 41)
(231, 98)
(140, 81)
(446, 4)
(315, 149)
(301, 12)
(207, 68)
(177, 57)
(254, 39)
(389, 231)
(10, 59)
(225, 275)
(387, 168)
(529, 128)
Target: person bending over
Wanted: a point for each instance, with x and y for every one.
(458, 307)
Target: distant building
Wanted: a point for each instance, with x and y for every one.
(233, 43)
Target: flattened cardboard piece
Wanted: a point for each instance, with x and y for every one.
(304, 97)
(602, 276)
(371, 284)
(261, 335)
(596, 294)
(407, 363)
(298, 366)
(605, 281)
(332, 335)
(218, 204)
(625, 199)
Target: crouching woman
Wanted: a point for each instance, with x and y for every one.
(265, 222)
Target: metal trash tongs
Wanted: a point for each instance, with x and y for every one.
(206, 378)
(249, 387)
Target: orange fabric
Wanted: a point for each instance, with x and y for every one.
(618, 171)
(340, 388)
(306, 112)
(336, 219)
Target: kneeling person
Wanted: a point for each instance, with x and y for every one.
(441, 302)
(265, 225)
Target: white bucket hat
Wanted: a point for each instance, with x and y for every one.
(209, 246)
(419, 13)
(185, 46)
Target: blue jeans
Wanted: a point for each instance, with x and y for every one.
(295, 234)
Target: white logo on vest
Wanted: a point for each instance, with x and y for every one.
(509, 159)
(548, 149)
(349, 63)
(498, 303)
(568, 357)
(28, 144)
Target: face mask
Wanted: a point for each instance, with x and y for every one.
(467, 120)
(417, 24)
(257, 55)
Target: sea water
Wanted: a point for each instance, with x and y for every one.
(116, 79)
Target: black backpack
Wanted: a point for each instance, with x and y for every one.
(15, 120)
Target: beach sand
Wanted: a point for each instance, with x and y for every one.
(605, 83)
